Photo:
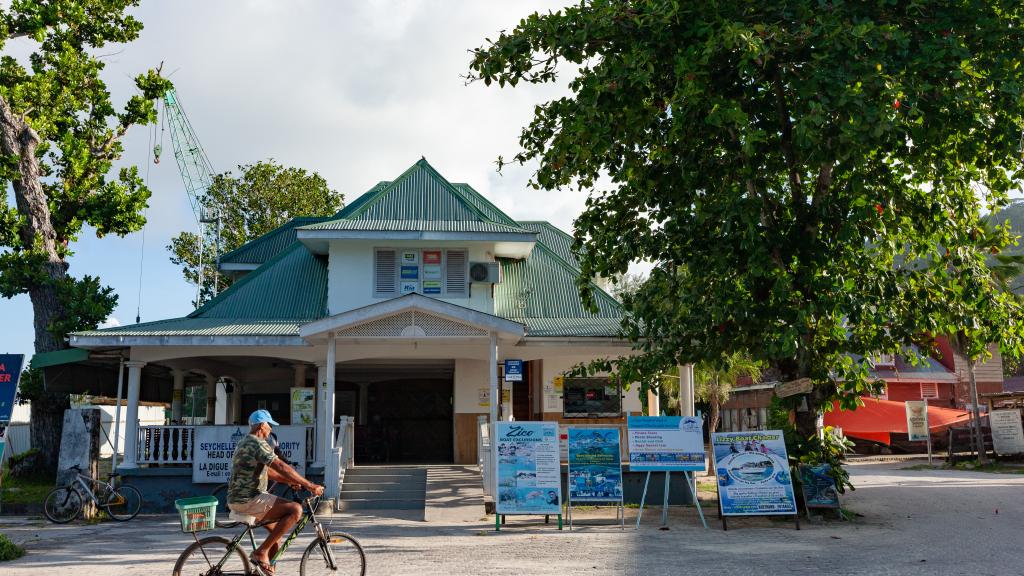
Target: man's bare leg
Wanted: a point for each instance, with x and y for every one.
(283, 515)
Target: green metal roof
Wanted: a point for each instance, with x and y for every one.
(554, 238)
(203, 327)
(421, 199)
(270, 244)
(57, 357)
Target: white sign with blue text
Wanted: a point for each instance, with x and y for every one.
(215, 445)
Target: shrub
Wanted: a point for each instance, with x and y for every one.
(9, 550)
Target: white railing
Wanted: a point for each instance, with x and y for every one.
(165, 444)
(340, 460)
(483, 453)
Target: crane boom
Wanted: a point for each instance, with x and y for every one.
(196, 170)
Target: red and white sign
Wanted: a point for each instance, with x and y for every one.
(431, 256)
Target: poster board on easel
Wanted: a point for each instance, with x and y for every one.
(667, 444)
(752, 472)
(595, 470)
(529, 475)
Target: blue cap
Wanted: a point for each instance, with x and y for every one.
(261, 416)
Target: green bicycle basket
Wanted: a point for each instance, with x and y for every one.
(198, 513)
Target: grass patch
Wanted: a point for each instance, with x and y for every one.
(9, 550)
(32, 490)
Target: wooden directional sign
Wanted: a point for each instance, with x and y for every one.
(793, 387)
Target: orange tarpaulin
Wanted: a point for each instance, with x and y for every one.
(876, 419)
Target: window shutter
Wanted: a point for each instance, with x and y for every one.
(929, 390)
(385, 273)
(455, 279)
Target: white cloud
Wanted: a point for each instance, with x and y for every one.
(110, 322)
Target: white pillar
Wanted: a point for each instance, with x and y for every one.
(236, 405)
(653, 403)
(321, 402)
(492, 358)
(329, 398)
(364, 402)
(220, 412)
(176, 394)
(686, 390)
(131, 425)
(211, 400)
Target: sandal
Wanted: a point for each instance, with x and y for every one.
(264, 568)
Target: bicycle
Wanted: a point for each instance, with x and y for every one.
(279, 489)
(328, 553)
(63, 504)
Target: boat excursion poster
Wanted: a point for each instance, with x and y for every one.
(595, 468)
(753, 473)
(529, 474)
(666, 443)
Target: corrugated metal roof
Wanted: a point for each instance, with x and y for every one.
(203, 327)
(558, 241)
(270, 244)
(418, 225)
(483, 204)
(292, 285)
(570, 327)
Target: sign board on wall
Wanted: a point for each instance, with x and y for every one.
(303, 406)
(666, 443)
(513, 370)
(753, 473)
(595, 469)
(793, 387)
(529, 472)
(215, 445)
(1007, 433)
(917, 420)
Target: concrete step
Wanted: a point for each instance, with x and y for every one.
(380, 504)
(357, 493)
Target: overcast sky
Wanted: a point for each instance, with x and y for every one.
(357, 91)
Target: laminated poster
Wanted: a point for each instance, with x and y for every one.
(753, 473)
(215, 445)
(595, 468)
(303, 405)
(819, 487)
(529, 473)
(666, 443)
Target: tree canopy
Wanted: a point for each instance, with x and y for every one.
(262, 197)
(808, 176)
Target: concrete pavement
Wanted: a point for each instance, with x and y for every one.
(912, 522)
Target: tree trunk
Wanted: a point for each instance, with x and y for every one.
(18, 139)
(975, 413)
(713, 420)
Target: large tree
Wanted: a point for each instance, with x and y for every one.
(807, 176)
(262, 197)
(60, 134)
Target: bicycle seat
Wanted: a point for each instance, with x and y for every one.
(243, 518)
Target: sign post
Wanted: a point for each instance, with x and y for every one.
(752, 469)
(917, 424)
(10, 373)
(595, 469)
(668, 444)
(529, 475)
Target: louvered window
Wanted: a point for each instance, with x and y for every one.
(456, 283)
(385, 273)
(929, 390)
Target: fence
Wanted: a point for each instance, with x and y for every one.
(165, 445)
(18, 440)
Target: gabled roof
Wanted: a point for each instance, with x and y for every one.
(267, 246)
(554, 238)
(421, 196)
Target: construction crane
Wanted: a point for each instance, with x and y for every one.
(197, 175)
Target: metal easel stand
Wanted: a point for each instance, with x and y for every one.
(690, 483)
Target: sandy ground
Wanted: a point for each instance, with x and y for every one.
(909, 522)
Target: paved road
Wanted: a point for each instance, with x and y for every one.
(913, 522)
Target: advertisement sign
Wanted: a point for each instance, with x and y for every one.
(410, 273)
(10, 372)
(410, 257)
(819, 486)
(1007, 434)
(215, 445)
(595, 468)
(431, 271)
(529, 473)
(432, 257)
(513, 370)
(431, 286)
(408, 287)
(917, 420)
(303, 406)
(666, 443)
(753, 473)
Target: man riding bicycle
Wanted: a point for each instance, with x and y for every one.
(252, 464)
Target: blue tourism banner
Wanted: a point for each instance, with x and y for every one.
(819, 487)
(753, 473)
(595, 468)
(10, 372)
(666, 443)
(529, 471)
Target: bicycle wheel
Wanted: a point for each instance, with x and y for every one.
(341, 554)
(212, 556)
(221, 493)
(62, 504)
(123, 503)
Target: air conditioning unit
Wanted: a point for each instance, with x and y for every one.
(484, 272)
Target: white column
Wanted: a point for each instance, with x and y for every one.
(321, 401)
(686, 390)
(177, 393)
(236, 406)
(211, 400)
(220, 412)
(131, 425)
(364, 402)
(329, 398)
(653, 403)
(492, 359)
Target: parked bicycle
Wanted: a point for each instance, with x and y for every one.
(65, 503)
(334, 553)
